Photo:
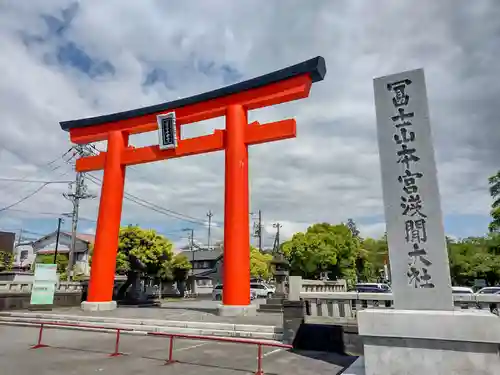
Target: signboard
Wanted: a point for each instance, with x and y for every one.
(167, 133)
(44, 284)
(417, 248)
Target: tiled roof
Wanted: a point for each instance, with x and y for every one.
(89, 238)
(203, 254)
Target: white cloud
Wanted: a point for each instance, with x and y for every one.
(329, 173)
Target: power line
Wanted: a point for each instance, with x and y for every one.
(154, 207)
(44, 165)
(92, 150)
(44, 183)
(54, 214)
(34, 181)
(24, 198)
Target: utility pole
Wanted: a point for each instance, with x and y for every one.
(209, 214)
(59, 222)
(259, 233)
(276, 245)
(20, 238)
(191, 247)
(75, 197)
(257, 228)
(191, 243)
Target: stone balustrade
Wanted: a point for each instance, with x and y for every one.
(314, 286)
(342, 307)
(16, 295)
(10, 287)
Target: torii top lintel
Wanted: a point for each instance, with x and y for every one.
(291, 83)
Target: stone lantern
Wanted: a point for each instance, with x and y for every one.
(281, 267)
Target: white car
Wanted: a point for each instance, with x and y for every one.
(461, 290)
(217, 293)
(262, 290)
(490, 290)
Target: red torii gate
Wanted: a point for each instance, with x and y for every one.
(233, 102)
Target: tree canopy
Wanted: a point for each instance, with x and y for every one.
(259, 264)
(323, 248)
(494, 182)
(6, 260)
(474, 258)
(150, 253)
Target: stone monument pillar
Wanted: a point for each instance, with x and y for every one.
(424, 334)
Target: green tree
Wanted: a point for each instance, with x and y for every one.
(260, 264)
(6, 260)
(142, 251)
(474, 258)
(179, 268)
(371, 258)
(176, 270)
(323, 248)
(61, 261)
(151, 249)
(494, 182)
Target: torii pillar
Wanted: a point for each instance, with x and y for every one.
(233, 102)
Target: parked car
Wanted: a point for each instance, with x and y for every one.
(490, 290)
(217, 293)
(372, 288)
(461, 290)
(262, 290)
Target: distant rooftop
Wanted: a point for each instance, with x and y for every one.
(202, 254)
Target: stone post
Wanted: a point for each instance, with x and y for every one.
(294, 288)
(293, 318)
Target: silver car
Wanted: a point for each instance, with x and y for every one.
(262, 290)
(217, 293)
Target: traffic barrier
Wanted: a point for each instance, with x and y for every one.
(259, 344)
(171, 337)
(39, 343)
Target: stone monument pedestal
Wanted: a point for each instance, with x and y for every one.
(416, 342)
(98, 306)
(232, 311)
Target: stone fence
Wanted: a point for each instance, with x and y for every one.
(315, 286)
(17, 295)
(342, 307)
(25, 287)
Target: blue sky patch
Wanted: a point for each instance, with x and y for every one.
(70, 54)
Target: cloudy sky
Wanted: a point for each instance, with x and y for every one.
(63, 60)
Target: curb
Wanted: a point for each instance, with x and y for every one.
(146, 328)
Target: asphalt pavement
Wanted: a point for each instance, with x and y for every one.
(85, 353)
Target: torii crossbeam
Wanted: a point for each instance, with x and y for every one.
(233, 102)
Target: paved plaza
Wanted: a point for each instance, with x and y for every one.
(201, 310)
(85, 353)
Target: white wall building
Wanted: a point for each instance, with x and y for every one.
(47, 245)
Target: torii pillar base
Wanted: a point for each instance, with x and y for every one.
(98, 306)
(233, 310)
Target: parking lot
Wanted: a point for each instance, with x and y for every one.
(84, 353)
